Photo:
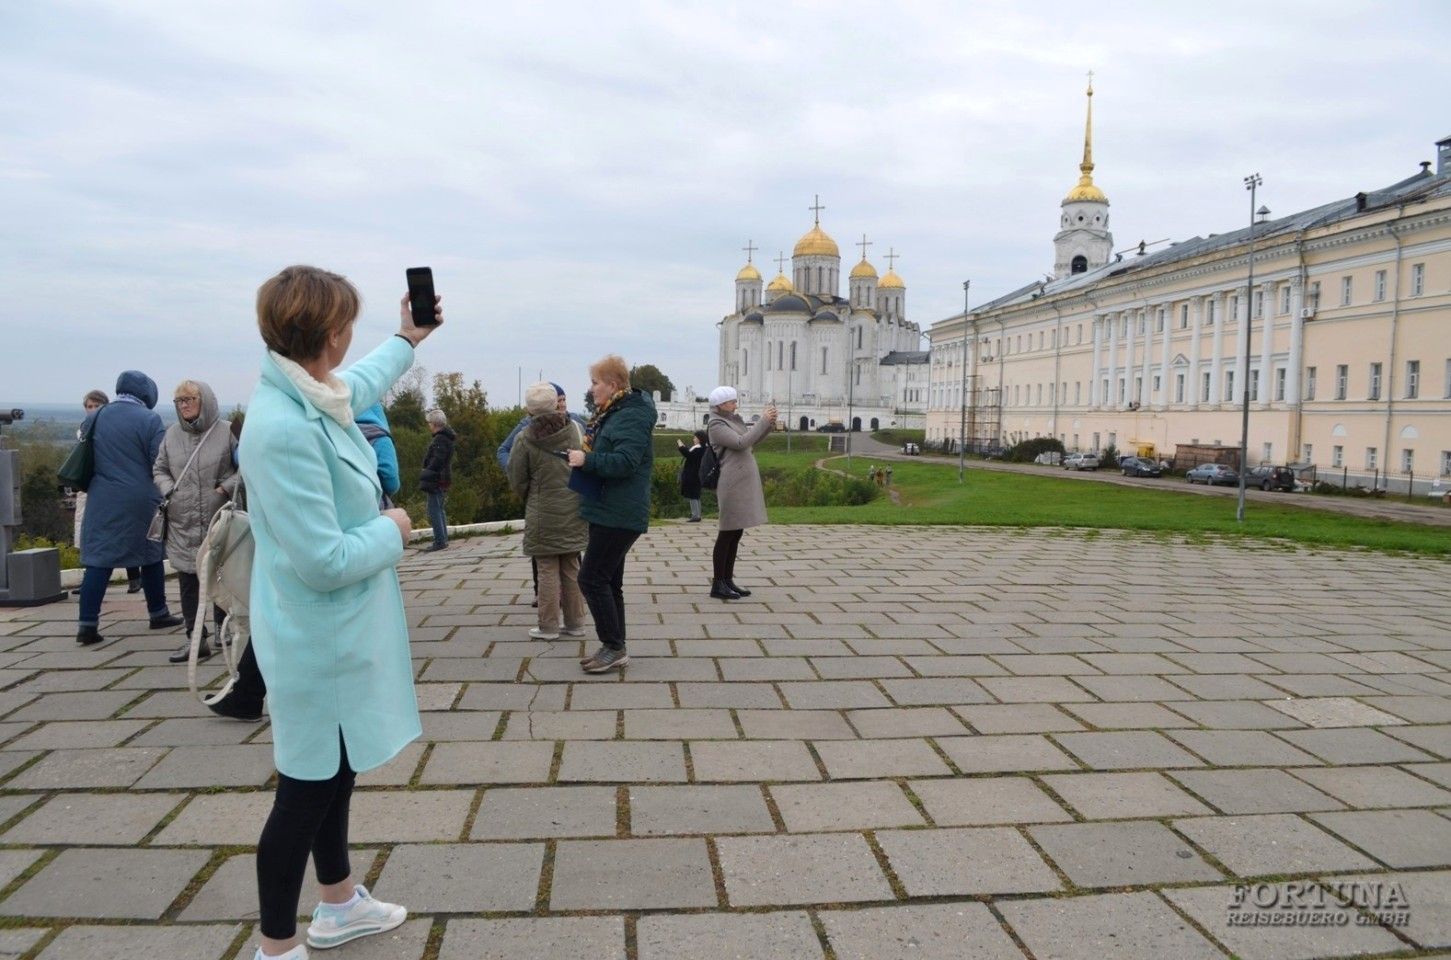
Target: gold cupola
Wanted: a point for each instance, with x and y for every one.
(749, 272)
(816, 244)
(782, 284)
(864, 271)
(890, 281)
(1086, 191)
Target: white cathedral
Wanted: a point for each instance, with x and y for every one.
(825, 360)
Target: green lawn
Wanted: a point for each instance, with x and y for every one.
(930, 494)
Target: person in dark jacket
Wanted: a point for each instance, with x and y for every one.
(121, 503)
(690, 473)
(616, 463)
(93, 401)
(437, 475)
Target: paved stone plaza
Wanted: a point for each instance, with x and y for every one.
(909, 743)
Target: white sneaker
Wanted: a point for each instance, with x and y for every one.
(298, 952)
(539, 633)
(573, 631)
(333, 927)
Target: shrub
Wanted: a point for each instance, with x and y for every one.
(70, 557)
(1028, 450)
(1109, 456)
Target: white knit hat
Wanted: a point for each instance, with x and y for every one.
(540, 399)
(722, 395)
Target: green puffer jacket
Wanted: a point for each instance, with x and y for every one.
(552, 524)
(623, 457)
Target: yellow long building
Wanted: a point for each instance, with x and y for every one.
(1347, 325)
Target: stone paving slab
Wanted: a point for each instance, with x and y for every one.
(908, 743)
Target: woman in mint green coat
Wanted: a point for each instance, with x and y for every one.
(326, 612)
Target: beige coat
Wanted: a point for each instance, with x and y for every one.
(742, 502)
(193, 497)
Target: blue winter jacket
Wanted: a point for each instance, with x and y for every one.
(374, 424)
(122, 498)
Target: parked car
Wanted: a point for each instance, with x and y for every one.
(1213, 474)
(1270, 478)
(1081, 461)
(994, 453)
(1049, 458)
(1440, 491)
(911, 449)
(832, 427)
(1140, 467)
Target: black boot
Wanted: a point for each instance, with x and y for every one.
(235, 706)
(721, 590)
(742, 592)
(165, 622)
(133, 586)
(88, 636)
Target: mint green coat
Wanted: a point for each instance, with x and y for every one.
(327, 614)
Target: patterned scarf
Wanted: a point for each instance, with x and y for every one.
(598, 420)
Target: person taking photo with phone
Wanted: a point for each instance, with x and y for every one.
(328, 624)
(742, 501)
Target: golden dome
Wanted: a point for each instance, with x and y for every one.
(780, 285)
(1086, 191)
(816, 244)
(863, 269)
(749, 272)
(891, 281)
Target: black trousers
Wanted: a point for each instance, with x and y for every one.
(250, 687)
(308, 816)
(190, 593)
(723, 557)
(602, 579)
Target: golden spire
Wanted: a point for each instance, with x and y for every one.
(1085, 191)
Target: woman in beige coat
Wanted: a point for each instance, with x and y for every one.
(195, 474)
(738, 492)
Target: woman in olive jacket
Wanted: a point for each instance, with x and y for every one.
(616, 464)
(554, 532)
(742, 501)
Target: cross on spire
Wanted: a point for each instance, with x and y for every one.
(750, 248)
(863, 243)
(781, 262)
(816, 208)
(891, 258)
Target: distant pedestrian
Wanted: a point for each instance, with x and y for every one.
(616, 462)
(122, 504)
(742, 501)
(690, 472)
(554, 532)
(195, 474)
(437, 475)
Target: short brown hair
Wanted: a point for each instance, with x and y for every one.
(612, 368)
(298, 310)
(97, 397)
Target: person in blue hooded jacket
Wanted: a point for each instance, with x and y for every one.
(373, 423)
(121, 503)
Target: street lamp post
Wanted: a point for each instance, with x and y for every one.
(1251, 183)
(790, 372)
(850, 374)
(962, 413)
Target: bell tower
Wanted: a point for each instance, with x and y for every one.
(1083, 242)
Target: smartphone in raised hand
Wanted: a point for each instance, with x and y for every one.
(421, 298)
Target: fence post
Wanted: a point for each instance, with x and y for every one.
(1345, 478)
(1410, 486)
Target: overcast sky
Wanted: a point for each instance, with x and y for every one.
(582, 176)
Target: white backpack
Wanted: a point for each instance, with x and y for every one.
(224, 570)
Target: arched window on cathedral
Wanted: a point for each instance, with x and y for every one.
(1080, 264)
(793, 354)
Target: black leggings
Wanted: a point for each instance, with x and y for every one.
(602, 579)
(723, 558)
(308, 816)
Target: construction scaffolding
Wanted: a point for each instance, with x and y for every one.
(983, 420)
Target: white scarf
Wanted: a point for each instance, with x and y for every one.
(332, 398)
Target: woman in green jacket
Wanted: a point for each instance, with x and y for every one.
(554, 532)
(615, 467)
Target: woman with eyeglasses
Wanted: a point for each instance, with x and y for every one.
(195, 474)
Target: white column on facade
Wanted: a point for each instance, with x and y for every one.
(1165, 393)
(1097, 323)
(1113, 320)
(1241, 347)
(1297, 344)
(1131, 357)
(1146, 385)
(1191, 391)
(1267, 342)
(1216, 369)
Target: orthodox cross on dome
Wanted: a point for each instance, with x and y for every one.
(750, 248)
(816, 208)
(781, 261)
(863, 243)
(891, 257)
